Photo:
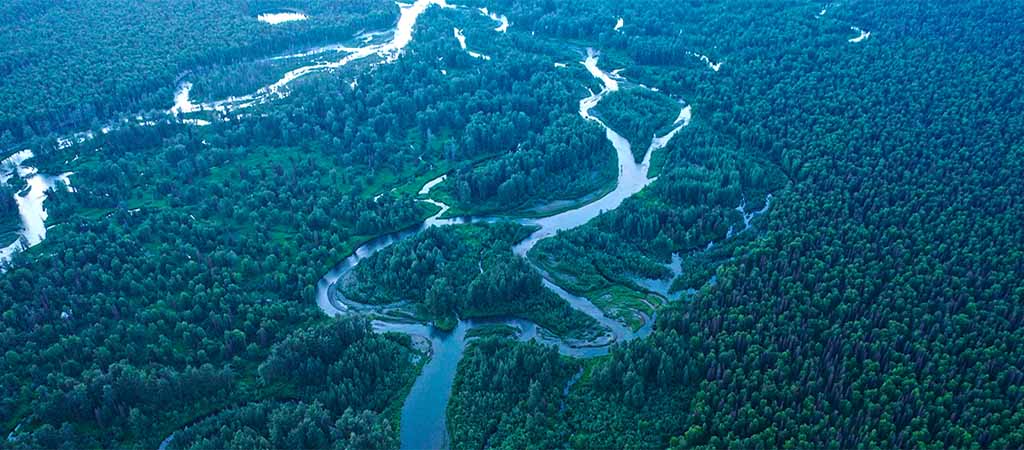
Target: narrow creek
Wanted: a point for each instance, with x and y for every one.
(30, 200)
(388, 51)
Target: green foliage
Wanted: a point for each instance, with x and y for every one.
(10, 221)
(880, 308)
(347, 375)
(877, 304)
(186, 248)
(467, 272)
(638, 114)
(68, 63)
(290, 425)
(509, 395)
(569, 159)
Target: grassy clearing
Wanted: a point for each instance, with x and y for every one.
(618, 299)
(498, 330)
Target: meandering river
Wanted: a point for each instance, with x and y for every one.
(423, 415)
(423, 422)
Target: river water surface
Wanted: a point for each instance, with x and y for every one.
(423, 416)
(423, 420)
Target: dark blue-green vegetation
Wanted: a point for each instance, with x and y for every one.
(67, 63)
(345, 379)
(832, 250)
(463, 272)
(510, 395)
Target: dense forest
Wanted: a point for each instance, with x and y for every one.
(837, 230)
(464, 272)
(877, 308)
(510, 396)
(349, 378)
(639, 114)
(69, 63)
(189, 252)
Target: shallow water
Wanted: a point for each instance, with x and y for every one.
(280, 17)
(30, 201)
(502, 20)
(387, 52)
(863, 35)
(712, 65)
(462, 43)
(423, 423)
